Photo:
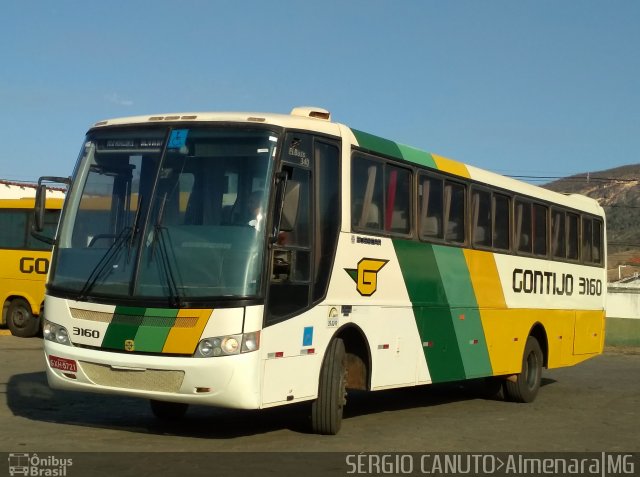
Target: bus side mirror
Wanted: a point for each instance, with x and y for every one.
(41, 205)
(38, 211)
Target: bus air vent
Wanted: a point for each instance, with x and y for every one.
(311, 112)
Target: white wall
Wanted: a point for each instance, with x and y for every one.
(623, 303)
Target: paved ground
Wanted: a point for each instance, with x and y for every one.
(594, 406)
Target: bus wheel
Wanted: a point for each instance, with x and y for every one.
(326, 410)
(168, 411)
(20, 320)
(524, 387)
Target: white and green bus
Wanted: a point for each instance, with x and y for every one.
(256, 260)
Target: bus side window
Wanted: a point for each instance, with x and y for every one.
(540, 228)
(51, 217)
(13, 227)
(557, 233)
(454, 212)
(501, 221)
(587, 237)
(597, 241)
(366, 186)
(523, 227)
(430, 199)
(572, 236)
(481, 213)
(397, 206)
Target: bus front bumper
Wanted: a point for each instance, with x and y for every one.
(226, 381)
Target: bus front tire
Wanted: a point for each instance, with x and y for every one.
(326, 410)
(523, 387)
(20, 319)
(168, 411)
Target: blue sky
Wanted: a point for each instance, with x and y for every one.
(518, 87)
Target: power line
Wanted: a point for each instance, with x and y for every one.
(587, 178)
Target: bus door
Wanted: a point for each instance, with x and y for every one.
(301, 259)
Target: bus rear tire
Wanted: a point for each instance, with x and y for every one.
(523, 387)
(20, 319)
(168, 411)
(326, 410)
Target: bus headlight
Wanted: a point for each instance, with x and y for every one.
(228, 345)
(55, 333)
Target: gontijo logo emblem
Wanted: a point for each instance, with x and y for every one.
(366, 275)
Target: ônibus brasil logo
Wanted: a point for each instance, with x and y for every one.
(366, 275)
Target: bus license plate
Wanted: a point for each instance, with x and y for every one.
(63, 364)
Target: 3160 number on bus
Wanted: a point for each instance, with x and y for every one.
(589, 286)
(86, 332)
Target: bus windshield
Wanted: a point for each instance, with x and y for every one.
(167, 213)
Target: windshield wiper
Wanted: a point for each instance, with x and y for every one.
(126, 236)
(159, 232)
(107, 258)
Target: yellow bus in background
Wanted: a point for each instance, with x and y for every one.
(24, 261)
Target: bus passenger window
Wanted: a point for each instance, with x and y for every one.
(572, 236)
(430, 203)
(501, 222)
(481, 210)
(397, 210)
(557, 233)
(597, 241)
(587, 236)
(454, 212)
(539, 229)
(13, 226)
(366, 188)
(523, 227)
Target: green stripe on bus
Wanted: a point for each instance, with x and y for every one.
(416, 155)
(446, 311)
(124, 326)
(464, 311)
(155, 328)
(423, 281)
(377, 144)
(393, 149)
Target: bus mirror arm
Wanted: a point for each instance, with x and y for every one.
(40, 206)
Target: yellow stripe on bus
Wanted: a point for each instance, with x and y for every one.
(506, 330)
(185, 334)
(451, 166)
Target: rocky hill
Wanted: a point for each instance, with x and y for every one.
(618, 191)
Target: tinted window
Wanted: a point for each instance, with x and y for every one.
(597, 241)
(558, 233)
(587, 240)
(454, 211)
(430, 204)
(381, 196)
(501, 222)
(51, 218)
(572, 236)
(366, 194)
(398, 198)
(539, 229)
(524, 238)
(13, 228)
(481, 217)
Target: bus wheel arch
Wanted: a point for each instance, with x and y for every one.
(20, 318)
(358, 357)
(540, 334)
